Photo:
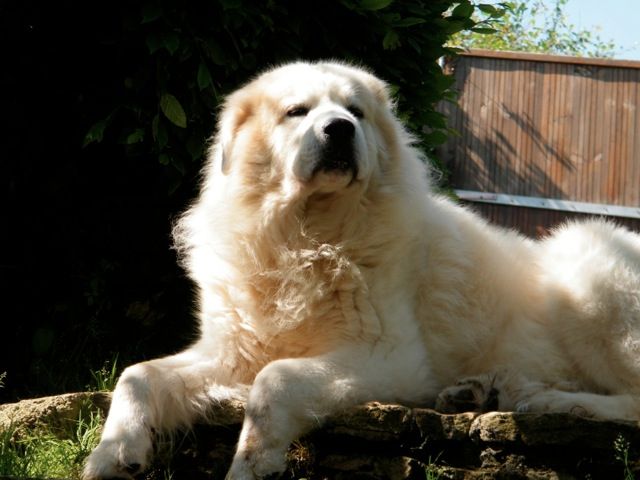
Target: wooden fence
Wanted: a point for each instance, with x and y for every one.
(537, 128)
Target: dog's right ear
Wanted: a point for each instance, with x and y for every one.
(218, 156)
(238, 108)
(224, 166)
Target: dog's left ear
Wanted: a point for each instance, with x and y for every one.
(238, 108)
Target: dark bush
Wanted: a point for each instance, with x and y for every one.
(108, 112)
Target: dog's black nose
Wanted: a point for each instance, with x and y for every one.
(339, 130)
(338, 149)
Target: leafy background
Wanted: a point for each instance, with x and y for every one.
(107, 114)
(540, 26)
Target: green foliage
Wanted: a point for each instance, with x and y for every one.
(191, 62)
(44, 453)
(621, 451)
(118, 105)
(431, 470)
(533, 26)
(431, 473)
(104, 380)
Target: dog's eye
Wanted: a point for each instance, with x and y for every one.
(297, 111)
(355, 111)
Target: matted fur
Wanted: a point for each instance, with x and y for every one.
(321, 287)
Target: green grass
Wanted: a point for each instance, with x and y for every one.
(45, 453)
(431, 474)
(621, 449)
(104, 380)
(431, 469)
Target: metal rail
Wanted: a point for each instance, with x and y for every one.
(549, 204)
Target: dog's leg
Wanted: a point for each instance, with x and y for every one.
(508, 391)
(290, 397)
(585, 404)
(502, 390)
(155, 396)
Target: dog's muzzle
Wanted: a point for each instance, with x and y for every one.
(337, 147)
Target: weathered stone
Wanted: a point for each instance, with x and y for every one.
(494, 427)
(372, 467)
(373, 421)
(57, 412)
(379, 442)
(436, 426)
(552, 429)
(483, 473)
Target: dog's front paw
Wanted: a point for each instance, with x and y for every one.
(263, 465)
(469, 395)
(121, 457)
(240, 470)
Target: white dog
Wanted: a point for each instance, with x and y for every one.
(329, 275)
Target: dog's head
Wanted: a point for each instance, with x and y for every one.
(306, 154)
(305, 128)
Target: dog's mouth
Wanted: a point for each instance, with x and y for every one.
(337, 162)
(337, 154)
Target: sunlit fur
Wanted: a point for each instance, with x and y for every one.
(317, 291)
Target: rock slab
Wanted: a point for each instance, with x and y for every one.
(381, 441)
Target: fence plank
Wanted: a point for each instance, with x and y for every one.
(548, 126)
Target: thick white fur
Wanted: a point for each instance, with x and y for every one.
(321, 291)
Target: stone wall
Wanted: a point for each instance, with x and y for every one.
(379, 441)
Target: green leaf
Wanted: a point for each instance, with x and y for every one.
(136, 136)
(464, 9)
(216, 53)
(172, 109)
(488, 9)
(507, 6)
(153, 42)
(151, 12)
(454, 26)
(390, 17)
(95, 133)
(416, 46)
(231, 4)
(204, 77)
(375, 4)
(171, 42)
(437, 137)
(391, 41)
(409, 22)
(164, 159)
(484, 30)
(195, 146)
